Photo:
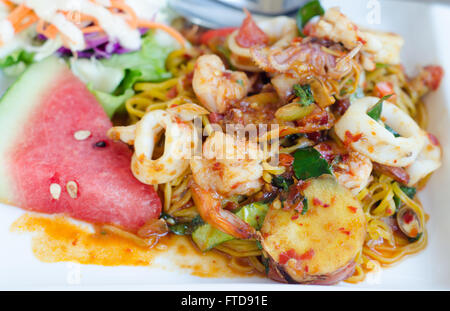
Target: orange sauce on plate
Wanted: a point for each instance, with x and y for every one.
(57, 239)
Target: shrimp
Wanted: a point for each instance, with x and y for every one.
(180, 139)
(381, 46)
(428, 160)
(370, 138)
(209, 207)
(216, 87)
(229, 166)
(280, 31)
(352, 170)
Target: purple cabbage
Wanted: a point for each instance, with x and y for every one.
(98, 45)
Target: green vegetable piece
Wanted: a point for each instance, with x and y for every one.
(185, 228)
(306, 12)
(282, 182)
(390, 129)
(304, 93)
(305, 206)
(308, 163)
(21, 56)
(409, 191)
(381, 65)
(207, 237)
(375, 111)
(293, 111)
(111, 103)
(147, 64)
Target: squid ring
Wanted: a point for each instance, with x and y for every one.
(180, 139)
(428, 160)
(280, 30)
(371, 138)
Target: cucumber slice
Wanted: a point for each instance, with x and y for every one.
(207, 237)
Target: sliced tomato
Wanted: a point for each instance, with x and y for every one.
(250, 34)
(216, 33)
(433, 76)
(383, 89)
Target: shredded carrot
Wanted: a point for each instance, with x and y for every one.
(49, 31)
(18, 14)
(122, 6)
(171, 31)
(22, 17)
(91, 29)
(9, 4)
(29, 20)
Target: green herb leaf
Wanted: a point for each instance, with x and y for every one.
(265, 262)
(304, 93)
(375, 112)
(308, 163)
(390, 129)
(282, 182)
(306, 12)
(305, 206)
(258, 243)
(409, 191)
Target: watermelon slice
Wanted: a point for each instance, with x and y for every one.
(43, 118)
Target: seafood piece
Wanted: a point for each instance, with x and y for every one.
(209, 207)
(229, 166)
(215, 87)
(351, 169)
(428, 160)
(303, 57)
(180, 139)
(383, 47)
(370, 138)
(353, 172)
(279, 31)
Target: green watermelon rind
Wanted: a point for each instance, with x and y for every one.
(17, 105)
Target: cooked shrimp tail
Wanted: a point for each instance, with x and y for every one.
(209, 208)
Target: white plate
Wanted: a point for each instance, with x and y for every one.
(425, 28)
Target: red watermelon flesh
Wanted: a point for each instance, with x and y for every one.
(45, 151)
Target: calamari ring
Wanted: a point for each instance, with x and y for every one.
(177, 148)
(180, 139)
(281, 30)
(372, 139)
(428, 160)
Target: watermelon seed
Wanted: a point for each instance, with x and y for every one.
(82, 135)
(55, 191)
(100, 144)
(72, 189)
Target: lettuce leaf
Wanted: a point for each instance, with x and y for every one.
(16, 63)
(147, 64)
(111, 103)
